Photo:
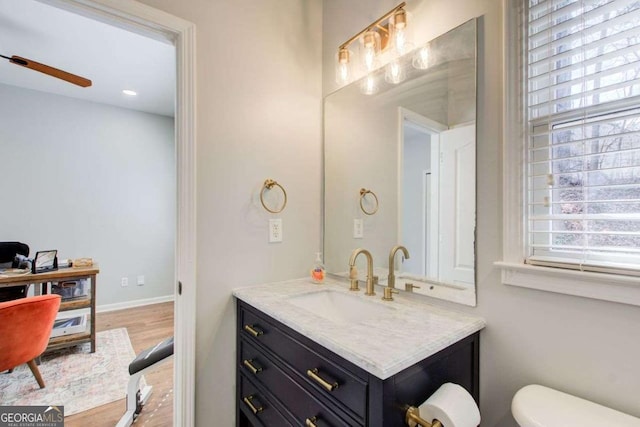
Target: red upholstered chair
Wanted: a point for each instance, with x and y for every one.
(25, 326)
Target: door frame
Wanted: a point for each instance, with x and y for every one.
(154, 23)
(434, 129)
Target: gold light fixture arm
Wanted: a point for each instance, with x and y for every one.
(363, 193)
(374, 24)
(268, 185)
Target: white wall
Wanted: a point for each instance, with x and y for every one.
(585, 347)
(259, 116)
(91, 181)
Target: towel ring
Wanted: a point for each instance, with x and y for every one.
(268, 185)
(364, 192)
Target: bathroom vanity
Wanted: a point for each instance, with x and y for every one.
(319, 355)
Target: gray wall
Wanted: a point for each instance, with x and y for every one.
(91, 181)
(259, 116)
(582, 346)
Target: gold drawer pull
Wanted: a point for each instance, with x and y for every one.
(248, 363)
(313, 374)
(311, 422)
(255, 410)
(253, 330)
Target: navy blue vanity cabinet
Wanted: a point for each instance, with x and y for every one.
(296, 381)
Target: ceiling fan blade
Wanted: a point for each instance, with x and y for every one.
(71, 78)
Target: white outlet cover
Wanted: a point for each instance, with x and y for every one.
(358, 228)
(275, 230)
(124, 281)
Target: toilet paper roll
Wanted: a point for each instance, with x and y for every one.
(453, 406)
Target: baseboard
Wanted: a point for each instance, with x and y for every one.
(136, 303)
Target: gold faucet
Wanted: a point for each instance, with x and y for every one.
(352, 263)
(391, 278)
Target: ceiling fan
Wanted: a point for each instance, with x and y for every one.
(54, 72)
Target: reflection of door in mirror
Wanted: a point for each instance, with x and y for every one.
(420, 142)
(457, 204)
(437, 198)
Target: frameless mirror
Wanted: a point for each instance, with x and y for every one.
(400, 170)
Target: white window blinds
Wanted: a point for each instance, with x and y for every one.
(583, 115)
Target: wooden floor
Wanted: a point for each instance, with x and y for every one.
(147, 326)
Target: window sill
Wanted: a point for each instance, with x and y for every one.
(602, 286)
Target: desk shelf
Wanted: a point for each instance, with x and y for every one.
(68, 340)
(75, 303)
(41, 280)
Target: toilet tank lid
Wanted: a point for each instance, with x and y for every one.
(539, 406)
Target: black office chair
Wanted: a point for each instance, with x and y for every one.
(8, 252)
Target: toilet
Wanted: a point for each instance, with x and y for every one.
(538, 406)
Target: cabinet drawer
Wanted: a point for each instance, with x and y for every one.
(305, 407)
(318, 373)
(257, 407)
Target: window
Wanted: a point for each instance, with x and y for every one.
(582, 127)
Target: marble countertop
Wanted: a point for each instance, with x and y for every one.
(378, 345)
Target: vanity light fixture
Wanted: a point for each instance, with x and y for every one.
(343, 72)
(388, 30)
(129, 92)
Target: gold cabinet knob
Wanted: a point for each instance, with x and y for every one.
(249, 401)
(327, 385)
(251, 365)
(253, 330)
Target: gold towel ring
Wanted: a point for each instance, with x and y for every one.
(364, 192)
(268, 185)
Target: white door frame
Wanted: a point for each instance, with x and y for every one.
(160, 25)
(433, 128)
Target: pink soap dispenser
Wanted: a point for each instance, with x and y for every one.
(317, 271)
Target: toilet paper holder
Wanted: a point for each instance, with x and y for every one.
(413, 419)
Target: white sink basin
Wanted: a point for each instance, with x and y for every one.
(340, 307)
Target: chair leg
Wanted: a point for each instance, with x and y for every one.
(36, 372)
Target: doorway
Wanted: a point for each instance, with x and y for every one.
(152, 23)
(419, 182)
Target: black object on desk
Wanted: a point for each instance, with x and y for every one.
(45, 261)
(8, 252)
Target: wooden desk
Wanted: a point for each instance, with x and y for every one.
(61, 275)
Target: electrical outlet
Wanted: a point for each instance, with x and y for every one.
(140, 280)
(275, 230)
(124, 282)
(358, 228)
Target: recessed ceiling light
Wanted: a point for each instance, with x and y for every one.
(129, 92)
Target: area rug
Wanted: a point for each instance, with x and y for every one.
(74, 377)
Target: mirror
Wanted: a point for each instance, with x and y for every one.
(400, 170)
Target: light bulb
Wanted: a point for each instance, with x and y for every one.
(369, 49)
(399, 33)
(394, 72)
(369, 85)
(343, 72)
(421, 59)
